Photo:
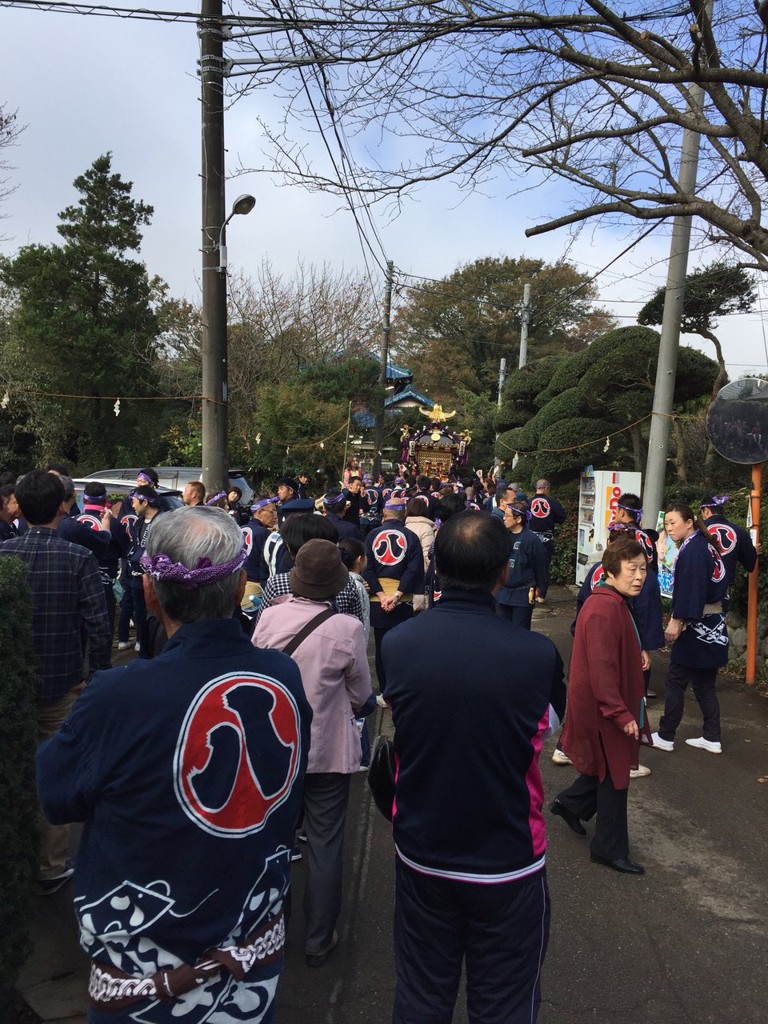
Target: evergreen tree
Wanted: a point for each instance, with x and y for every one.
(85, 324)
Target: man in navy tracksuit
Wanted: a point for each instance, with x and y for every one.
(395, 572)
(468, 826)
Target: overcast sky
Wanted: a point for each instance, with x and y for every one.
(84, 85)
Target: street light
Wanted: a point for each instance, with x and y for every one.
(241, 206)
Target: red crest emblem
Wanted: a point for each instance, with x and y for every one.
(389, 547)
(90, 521)
(540, 508)
(237, 755)
(725, 536)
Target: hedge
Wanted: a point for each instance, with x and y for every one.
(18, 738)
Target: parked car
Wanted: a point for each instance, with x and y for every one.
(176, 477)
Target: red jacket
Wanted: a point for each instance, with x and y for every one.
(605, 689)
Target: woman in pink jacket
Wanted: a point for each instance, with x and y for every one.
(337, 682)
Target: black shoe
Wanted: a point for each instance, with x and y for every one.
(570, 819)
(623, 864)
(318, 959)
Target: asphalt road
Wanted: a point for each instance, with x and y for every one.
(685, 944)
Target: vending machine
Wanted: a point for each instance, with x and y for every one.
(598, 493)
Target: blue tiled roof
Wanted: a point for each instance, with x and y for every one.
(410, 392)
(395, 372)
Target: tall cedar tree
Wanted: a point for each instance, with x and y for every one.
(84, 325)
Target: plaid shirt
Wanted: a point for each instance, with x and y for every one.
(67, 593)
(279, 585)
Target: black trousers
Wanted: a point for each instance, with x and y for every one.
(518, 615)
(401, 613)
(589, 796)
(502, 932)
(703, 682)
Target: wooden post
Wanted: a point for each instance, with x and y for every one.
(757, 480)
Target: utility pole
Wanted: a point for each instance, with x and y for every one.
(214, 402)
(502, 379)
(378, 443)
(524, 321)
(669, 345)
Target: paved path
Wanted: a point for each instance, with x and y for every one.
(685, 944)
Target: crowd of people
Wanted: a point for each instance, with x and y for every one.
(235, 732)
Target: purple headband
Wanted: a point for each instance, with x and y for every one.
(395, 505)
(154, 502)
(216, 497)
(637, 512)
(264, 502)
(330, 502)
(160, 567)
(99, 499)
(716, 501)
(143, 476)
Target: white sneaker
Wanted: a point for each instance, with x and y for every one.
(712, 747)
(123, 645)
(661, 744)
(560, 757)
(137, 647)
(640, 772)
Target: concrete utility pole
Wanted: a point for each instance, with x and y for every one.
(525, 319)
(214, 403)
(502, 379)
(378, 442)
(669, 346)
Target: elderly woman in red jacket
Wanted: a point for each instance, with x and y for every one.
(606, 708)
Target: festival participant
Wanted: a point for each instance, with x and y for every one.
(606, 709)
(146, 506)
(287, 489)
(297, 530)
(394, 573)
(469, 833)
(420, 522)
(334, 509)
(528, 576)
(696, 630)
(546, 514)
(67, 603)
(97, 517)
(629, 512)
(9, 512)
(256, 531)
(193, 493)
(189, 799)
(736, 547)
(337, 681)
(357, 502)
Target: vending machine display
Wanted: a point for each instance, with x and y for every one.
(598, 493)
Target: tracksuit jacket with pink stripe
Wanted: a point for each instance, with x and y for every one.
(470, 696)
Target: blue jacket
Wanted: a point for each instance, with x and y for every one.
(468, 738)
(699, 580)
(393, 552)
(736, 547)
(255, 534)
(187, 771)
(528, 568)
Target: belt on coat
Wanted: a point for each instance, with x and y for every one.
(112, 989)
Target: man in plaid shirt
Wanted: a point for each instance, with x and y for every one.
(67, 596)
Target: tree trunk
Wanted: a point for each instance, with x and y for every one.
(677, 426)
(722, 373)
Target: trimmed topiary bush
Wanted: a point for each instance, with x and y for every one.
(18, 739)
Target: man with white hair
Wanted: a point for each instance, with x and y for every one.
(187, 771)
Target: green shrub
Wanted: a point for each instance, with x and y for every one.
(18, 736)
